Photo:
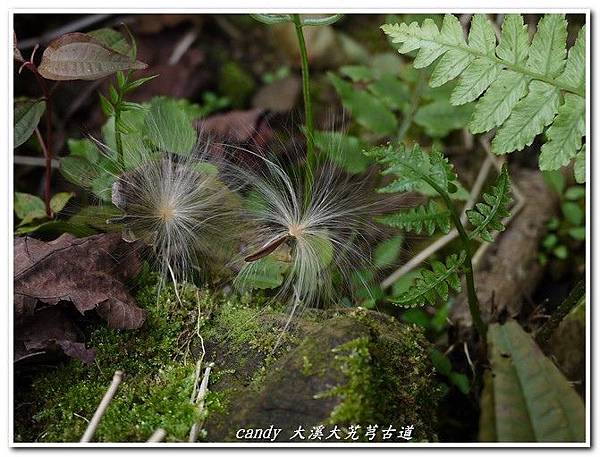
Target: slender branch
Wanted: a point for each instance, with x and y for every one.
(308, 113)
(467, 266)
(544, 334)
(91, 428)
(47, 143)
(202, 391)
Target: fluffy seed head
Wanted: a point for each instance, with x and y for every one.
(320, 238)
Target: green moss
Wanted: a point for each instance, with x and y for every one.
(158, 382)
(383, 371)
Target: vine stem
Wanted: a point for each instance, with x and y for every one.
(468, 264)
(46, 144)
(308, 112)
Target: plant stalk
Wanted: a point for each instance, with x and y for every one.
(311, 159)
(468, 264)
(46, 144)
(559, 314)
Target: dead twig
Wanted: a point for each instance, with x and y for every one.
(91, 428)
(158, 435)
(202, 391)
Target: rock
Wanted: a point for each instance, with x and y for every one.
(356, 367)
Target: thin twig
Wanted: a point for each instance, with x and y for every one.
(202, 391)
(182, 47)
(158, 435)
(34, 161)
(74, 26)
(91, 428)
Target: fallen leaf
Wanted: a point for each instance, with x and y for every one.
(89, 272)
(49, 330)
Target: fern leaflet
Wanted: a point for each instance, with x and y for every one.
(423, 218)
(434, 283)
(415, 169)
(524, 85)
(488, 216)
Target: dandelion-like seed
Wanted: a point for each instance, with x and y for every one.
(320, 233)
(176, 204)
(178, 207)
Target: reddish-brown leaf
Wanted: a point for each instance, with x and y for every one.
(79, 56)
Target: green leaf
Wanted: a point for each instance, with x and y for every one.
(573, 213)
(60, 200)
(579, 167)
(396, 94)
(575, 193)
(440, 362)
(577, 233)
(499, 100)
(475, 80)
(528, 118)
(388, 251)
(413, 167)
(561, 252)
(487, 215)
(461, 381)
(525, 397)
(265, 273)
(369, 111)
(556, 180)
(522, 84)
(423, 218)
(440, 118)
(169, 127)
(574, 73)
(27, 115)
(514, 40)
(357, 73)
(56, 228)
(565, 134)
(111, 39)
(547, 51)
(344, 150)
(434, 284)
(28, 207)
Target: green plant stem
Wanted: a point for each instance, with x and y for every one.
(414, 105)
(559, 314)
(468, 264)
(118, 139)
(311, 158)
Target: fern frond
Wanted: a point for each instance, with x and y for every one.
(414, 168)
(523, 84)
(423, 218)
(434, 283)
(488, 216)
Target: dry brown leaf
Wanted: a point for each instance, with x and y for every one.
(89, 272)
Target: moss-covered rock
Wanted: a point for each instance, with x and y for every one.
(337, 367)
(356, 368)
